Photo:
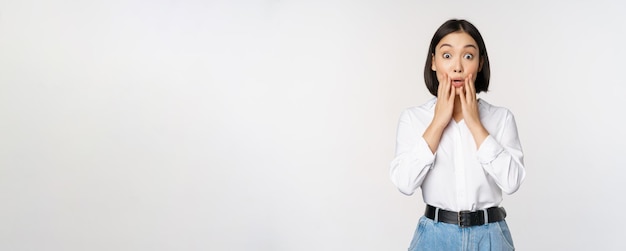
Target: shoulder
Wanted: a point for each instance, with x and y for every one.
(425, 108)
(493, 112)
(421, 113)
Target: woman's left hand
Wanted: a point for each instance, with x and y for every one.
(469, 107)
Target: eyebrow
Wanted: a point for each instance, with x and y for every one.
(469, 45)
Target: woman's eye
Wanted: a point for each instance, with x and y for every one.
(468, 56)
(447, 55)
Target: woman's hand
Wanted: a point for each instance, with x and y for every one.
(469, 107)
(443, 113)
(445, 102)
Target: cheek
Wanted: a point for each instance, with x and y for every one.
(439, 74)
(441, 66)
(473, 68)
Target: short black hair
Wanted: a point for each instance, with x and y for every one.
(451, 26)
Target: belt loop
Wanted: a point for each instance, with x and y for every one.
(436, 214)
(486, 216)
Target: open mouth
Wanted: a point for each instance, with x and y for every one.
(458, 82)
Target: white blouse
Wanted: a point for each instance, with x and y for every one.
(459, 176)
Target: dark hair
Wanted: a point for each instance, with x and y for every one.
(451, 26)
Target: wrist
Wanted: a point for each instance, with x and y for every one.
(440, 123)
(479, 133)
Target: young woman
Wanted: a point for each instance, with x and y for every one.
(462, 151)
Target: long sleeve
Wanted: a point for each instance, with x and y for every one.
(413, 157)
(458, 176)
(501, 156)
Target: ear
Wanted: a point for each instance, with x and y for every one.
(432, 63)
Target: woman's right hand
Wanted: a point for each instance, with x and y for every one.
(443, 113)
(445, 102)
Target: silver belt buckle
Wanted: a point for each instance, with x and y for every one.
(461, 218)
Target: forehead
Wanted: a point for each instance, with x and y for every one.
(459, 39)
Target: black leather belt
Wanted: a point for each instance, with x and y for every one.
(466, 218)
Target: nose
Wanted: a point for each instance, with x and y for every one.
(458, 67)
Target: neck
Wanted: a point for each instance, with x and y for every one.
(457, 114)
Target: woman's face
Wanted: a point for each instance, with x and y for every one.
(456, 56)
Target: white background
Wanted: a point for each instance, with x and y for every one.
(270, 125)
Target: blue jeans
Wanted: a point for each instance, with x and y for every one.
(439, 236)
